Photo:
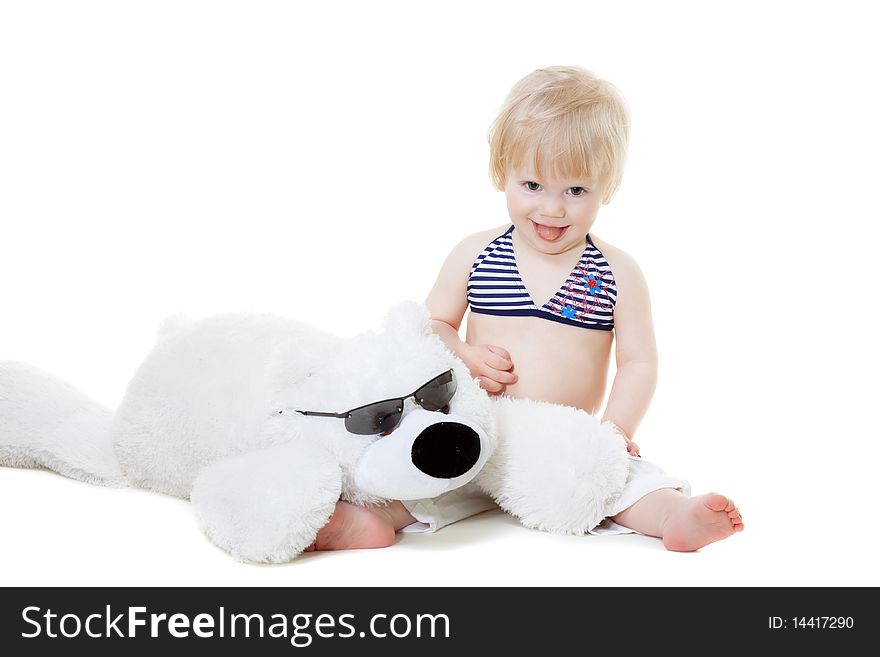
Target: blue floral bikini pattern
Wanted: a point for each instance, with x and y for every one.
(584, 292)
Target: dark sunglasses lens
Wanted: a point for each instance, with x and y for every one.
(376, 418)
(437, 393)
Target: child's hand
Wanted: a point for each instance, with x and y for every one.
(491, 366)
(631, 448)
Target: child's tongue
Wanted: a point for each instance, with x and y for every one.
(549, 233)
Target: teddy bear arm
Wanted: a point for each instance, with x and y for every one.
(556, 468)
(267, 505)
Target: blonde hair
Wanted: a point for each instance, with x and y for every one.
(571, 124)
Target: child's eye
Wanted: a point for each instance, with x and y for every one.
(529, 186)
(577, 191)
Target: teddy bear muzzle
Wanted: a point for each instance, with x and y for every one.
(430, 453)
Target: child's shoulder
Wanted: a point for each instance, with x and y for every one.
(472, 245)
(623, 266)
(485, 237)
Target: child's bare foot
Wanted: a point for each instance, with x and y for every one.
(701, 520)
(352, 527)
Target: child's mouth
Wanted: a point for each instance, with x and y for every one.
(548, 233)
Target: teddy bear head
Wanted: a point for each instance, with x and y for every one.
(401, 414)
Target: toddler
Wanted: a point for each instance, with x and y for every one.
(544, 290)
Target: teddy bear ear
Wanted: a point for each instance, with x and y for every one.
(172, 325)
(408, 318)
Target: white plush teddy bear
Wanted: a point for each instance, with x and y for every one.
(264, 423)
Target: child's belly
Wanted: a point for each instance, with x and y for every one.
(554, 362)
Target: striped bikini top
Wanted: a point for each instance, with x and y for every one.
(586, 298)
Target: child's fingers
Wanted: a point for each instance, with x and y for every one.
(501, 352)
(498, 362)
(501, 376)
(489, 385)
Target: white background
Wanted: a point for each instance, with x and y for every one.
(320, 162)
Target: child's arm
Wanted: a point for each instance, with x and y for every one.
(636, 350)
(447, 304)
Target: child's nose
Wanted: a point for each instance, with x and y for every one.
(554, 209)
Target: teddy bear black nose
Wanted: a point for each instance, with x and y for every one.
(446, 450)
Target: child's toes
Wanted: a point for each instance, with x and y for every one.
(717, 502)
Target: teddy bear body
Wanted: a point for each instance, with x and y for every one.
(206, 392)
(211, 415)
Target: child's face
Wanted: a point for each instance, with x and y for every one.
(552, 216)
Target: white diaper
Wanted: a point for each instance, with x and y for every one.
(432, 514)
(644, 477)
(437, 512)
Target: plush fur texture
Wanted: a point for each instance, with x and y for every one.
(556, 468)
(200, 420)
(44, 422)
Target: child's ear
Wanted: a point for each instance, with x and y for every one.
(408, 318)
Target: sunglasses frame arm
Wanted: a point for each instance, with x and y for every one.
(319, 414)
(346, 414)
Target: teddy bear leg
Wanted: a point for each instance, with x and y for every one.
(46, 422)
(268, 505)
(556, 468)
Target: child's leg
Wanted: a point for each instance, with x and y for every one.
(684, 523)
(352, 527)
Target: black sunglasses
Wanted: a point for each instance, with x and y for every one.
(383, 416)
